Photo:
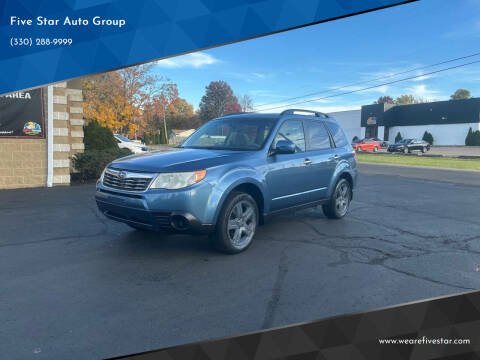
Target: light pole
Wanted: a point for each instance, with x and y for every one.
(165, 122)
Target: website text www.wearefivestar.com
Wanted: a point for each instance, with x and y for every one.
(424, 341)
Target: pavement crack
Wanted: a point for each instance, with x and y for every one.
(276, 291)
(424, 278)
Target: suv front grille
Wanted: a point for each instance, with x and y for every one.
(126, 180)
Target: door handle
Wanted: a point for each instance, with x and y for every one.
(307, 162)
(334, 157)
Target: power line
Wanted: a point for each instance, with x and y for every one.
(375, 86)
(372, 80)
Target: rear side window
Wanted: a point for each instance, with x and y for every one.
(292, 130)
(317, 135)
(338, 135)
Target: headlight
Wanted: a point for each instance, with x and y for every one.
(177, 180)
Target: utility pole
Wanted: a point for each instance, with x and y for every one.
(165, 122)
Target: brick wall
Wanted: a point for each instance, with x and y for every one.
(23, 163)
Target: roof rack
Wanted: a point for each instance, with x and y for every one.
(238, 113)
(293, 111)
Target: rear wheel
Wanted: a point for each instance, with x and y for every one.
(375, 149)
(423, 150)
(237, 223)
(406, 150)
(359, 149)
(337, 206)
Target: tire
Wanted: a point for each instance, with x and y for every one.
(342, 193)
(405, 151)
(375, 149)
(359, 149)
(236, 224)
(423, 150)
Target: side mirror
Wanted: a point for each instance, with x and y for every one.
(284, 147)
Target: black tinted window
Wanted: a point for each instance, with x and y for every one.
(292, 130)
(338, 135)
(317, 136)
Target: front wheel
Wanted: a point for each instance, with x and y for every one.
(337, 206)
(236, 223)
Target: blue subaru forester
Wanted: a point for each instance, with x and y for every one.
(232, 173)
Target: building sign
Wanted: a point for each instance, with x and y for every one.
(21, 114)
(372, 120)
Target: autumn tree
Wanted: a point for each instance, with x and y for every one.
(384, 100)
(180, 115)
(118, 99)
(461, 94)
(217, 101)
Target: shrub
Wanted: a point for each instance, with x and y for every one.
(153, 138)
(473, 138)
(428, 137)
(398, 137)
(90, 164)
(469, 138)
(97, 137)
(355, 138)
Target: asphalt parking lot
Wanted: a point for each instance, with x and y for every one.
(74, 285)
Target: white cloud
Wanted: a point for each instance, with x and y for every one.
(195, 60)
(421, 91)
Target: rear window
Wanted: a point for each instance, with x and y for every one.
(317, 135)
(337, 133)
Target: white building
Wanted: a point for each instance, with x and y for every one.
(350, 122)
(447, 121)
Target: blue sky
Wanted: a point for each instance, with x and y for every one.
(321, 57)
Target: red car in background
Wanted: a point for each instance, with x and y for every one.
(367, 145)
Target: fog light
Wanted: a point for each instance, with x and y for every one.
(179, 222)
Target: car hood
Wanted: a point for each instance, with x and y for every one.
(178, 159)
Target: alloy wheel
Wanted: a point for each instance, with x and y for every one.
(242, 222)
(342, 198)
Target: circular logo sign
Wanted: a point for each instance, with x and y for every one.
(32, 128)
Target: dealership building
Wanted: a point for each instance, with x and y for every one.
(447, 121)
(40, 131)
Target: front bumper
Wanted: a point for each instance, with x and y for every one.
(184, 210)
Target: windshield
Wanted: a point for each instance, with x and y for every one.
(404, 141)
(231, 134)
(123, 138)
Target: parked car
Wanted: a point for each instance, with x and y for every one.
(133, 146)
(367, 145)
(232, 174)
(383, 143)
(409, 145)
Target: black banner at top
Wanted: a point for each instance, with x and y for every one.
(21, 114)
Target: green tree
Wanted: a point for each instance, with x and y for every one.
(428, 137)
(406, 100)
(469, 138)
(217, 101)
(398, 137)
(461, 94)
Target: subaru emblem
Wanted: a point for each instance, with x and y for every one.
(122, 175)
